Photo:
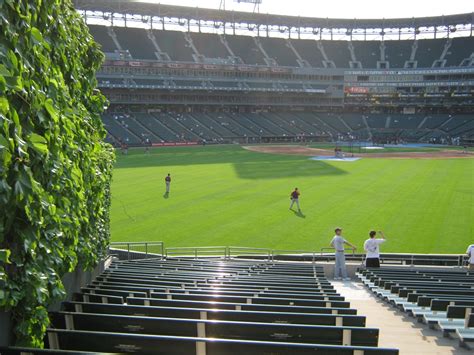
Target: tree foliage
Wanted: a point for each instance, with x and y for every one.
(55, 170)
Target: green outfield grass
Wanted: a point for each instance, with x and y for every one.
(226, 195)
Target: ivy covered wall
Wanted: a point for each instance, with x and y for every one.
(55, 170)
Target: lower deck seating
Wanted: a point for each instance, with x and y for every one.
(441, 298)
(182, 306)
(220, 127)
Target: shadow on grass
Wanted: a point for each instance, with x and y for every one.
(247, 164)
(166, 195)
(298, 213)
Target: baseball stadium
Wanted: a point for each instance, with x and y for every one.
(218, 179)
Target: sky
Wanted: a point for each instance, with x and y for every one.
(341, 8)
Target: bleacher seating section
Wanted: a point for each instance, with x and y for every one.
(173, 43)
(184, 306)
(441, 298)
(135, 128)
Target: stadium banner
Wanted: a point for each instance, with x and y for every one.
(173, 144)
(356, 90)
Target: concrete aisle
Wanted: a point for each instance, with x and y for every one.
(397, 329)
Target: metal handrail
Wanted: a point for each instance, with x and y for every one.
(146, 245)
(326, 253)
(195, 251)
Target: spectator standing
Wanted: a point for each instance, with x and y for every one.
(371, 247)
(337, 243)
(470, 254)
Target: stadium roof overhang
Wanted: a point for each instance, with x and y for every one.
(195, 13)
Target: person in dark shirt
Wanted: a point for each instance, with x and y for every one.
(294, 197)
(168, 182)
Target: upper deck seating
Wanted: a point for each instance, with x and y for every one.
(136, 41)
(461, 48)
(277, 49)
(174, 44)
(102, 37)
(398, 52)
(245, 48)
(428, 51)
(367, 52)
(209, 45)
(338, 52)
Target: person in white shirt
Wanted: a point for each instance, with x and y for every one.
(340, 266)
(470, 254)
(371, 247)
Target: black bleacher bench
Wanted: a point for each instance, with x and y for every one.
(264, 294)
(172, 291)
(404, 291)
(466, 335)
(156, 285)
(283, 288)
(443, 304)
(173, 345)
(217, 314)
(425, 299)
(109, 292)
(324, 307)
(300, 333)
(97, 298)
(255, 300)
(459, 312)
(262, 283)
(203, 271)
(387, 284)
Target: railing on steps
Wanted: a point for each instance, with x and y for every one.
(145, 250)
(137, 250)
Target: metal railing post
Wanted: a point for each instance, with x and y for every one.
(195, 253)
(128, 251)
(146, 250)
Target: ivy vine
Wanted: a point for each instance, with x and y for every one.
(55, 170)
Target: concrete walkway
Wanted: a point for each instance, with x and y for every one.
(397, 329)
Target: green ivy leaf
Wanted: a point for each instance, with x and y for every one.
(39, 143)
(36, 34)
(4, 106)
(4, 71)
(4, 255)
(48, 105)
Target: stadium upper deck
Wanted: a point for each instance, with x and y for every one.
(199, 60)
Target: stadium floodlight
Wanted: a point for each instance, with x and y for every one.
(256, 3)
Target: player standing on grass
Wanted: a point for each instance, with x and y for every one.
(340, 266)
(168, 182)
(294, 197)
(371, 247)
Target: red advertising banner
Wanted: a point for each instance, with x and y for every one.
(356, 90)
(173, 144)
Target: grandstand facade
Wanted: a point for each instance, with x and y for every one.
(175, 74)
